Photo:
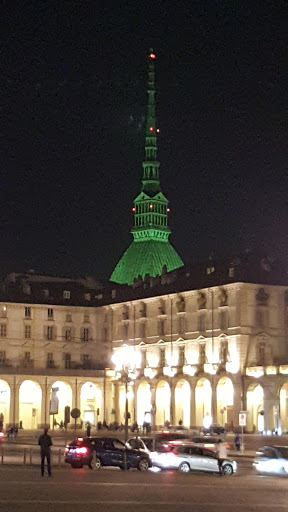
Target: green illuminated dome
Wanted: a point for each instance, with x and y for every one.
(151, 250)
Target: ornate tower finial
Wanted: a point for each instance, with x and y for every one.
(150, 250)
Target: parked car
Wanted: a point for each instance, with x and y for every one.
(214, 429)
(208, 442)
(95, 452)
(189, 457)
(159, 441)
(272, 460)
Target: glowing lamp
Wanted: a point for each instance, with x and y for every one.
(152, 56)
(151, 128)
(168, 210)
(158, 131)
(151, 206)
(134, 209)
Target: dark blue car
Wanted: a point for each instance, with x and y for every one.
(95, 452)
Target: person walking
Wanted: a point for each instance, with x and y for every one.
(45, 443)
(88, 429)
(237, 442)
(221, 452)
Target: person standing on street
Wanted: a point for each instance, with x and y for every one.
(237, 442)
(45, 443)
(221, 454)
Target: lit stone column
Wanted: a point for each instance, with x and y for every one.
(116, 402)
(270, 403)
(14, 401)
(192, 406)
(237, 403)
(135, 402)
(172, 403)
(45, 390)
(213, 400)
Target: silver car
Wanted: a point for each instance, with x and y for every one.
(187, 458)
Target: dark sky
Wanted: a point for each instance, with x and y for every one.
(72, 136)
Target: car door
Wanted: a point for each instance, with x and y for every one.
(195, 458)
(209, 461)
(117, 452)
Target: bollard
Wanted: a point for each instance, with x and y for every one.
(24, 460)
(30, 457)
(2, 455)
(59, 457)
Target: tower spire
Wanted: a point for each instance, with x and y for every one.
(150, 251)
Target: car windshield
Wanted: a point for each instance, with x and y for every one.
(283, 451)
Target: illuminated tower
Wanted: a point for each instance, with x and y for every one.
(150, 250)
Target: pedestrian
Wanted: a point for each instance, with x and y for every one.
(88, 429)
(221, 452)
(237, 442)
(45, 443)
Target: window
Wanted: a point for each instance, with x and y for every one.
(66, 294)
(68, 334)
(202, 353)
(224, 352)
(50, 332)
(27, 332)
(125, 332)
(162, 361)
(2, 357)
(84, 358)
(231, 272)
(46, 293)
(210, 270)
(3, 312)
(161, 327)
(181, 355)
(86, 317)
(85, 336)
(50, 360)
(68, 317)
(27, 312)
(87, 296)
(201, 322)
(143, 358)
(261, 352)
(67, 360)
(50, 314)
(142, 329)
(223, 320)
(181, 324)
(3, 330)
(27, 356)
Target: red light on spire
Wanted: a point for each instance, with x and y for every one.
(151, 206)
(168, 210)
(133, 209)
(152, 56)
(158, 131)
(151, 128)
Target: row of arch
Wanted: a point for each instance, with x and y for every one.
(31, 403)
(224, 410)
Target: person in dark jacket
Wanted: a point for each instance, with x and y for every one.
(45, 443)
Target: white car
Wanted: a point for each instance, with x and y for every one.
(187, 458)
(272, 459)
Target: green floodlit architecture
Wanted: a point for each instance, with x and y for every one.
(150, 250)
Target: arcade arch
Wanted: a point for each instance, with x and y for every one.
(90, 403)
(30, 398)
(143, 403)
(163, 397)
(182, 402)
(255, 408)
(61, 396)
(4, 402)
(225, 401)
(203, 397)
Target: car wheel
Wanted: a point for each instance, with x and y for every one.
(96, 463)
(143, 465)
(77, 465)
(184, 467)
(227, 469)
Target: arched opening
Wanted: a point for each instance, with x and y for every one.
(255, 408)
(203, 396)
(182, 402)
(143, 403)
(60, 397)
(90, 403)
(225, 401)
(4, 404)
(284, 407)
(163, 395)
(30, 398)
(122, 402)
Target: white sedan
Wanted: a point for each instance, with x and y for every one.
(272, 459)
(187, 458)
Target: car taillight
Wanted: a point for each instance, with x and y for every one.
(227, 446)
(81, 451)
(2, 434)
(67, 449)
(80, 439)
(165, 445)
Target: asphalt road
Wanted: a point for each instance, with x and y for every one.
(111, 490)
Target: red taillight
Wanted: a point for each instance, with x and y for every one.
(80, 439)
(2, 434)
(227, 446)
(81, 451)
(67, 449)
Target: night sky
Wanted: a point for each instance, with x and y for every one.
(72, 136)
